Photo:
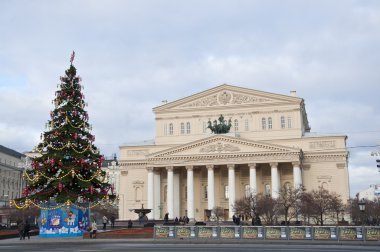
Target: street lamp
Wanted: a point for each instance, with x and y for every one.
(362, 204)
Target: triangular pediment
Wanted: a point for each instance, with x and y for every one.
(227, 95)
(222, 144)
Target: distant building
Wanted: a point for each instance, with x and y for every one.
(11, 182)
(111, 167)
(187, 170)
(372, 193)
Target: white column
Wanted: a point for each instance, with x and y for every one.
(190, 192)
(158, 214)
(252, 178)
(297, 175)
(170, 192)
(275, 180)
(176, 195)
(150, 192)
(231, 189)
(210, 187)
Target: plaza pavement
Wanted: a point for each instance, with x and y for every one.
(65, 240)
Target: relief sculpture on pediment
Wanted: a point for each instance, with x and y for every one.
(242, 99)
(204, 102)
(219, 147)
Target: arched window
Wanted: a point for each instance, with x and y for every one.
(282, 122)
(236, 125)
(263, 123)
(182, 128)
(247, 191)
(246, 125)
(289, 122)
(267, 189)
(269, 122)
(188, 130)
(226, 193)
(170, 129)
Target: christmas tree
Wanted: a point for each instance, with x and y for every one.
(68, 170)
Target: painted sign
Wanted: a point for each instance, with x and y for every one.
(63, 222)
(325, 233)
(206, 232)
(228, 232)
(275, 233)
(300, 233)
(183, 232)
(373, 233)
(161, 232)
(350, 233)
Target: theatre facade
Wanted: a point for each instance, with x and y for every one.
(188, 170)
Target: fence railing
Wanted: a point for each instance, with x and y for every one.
(338, 233)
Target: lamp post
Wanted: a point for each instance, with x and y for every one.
(362, 204)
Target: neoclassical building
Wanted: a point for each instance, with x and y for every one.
(187, 170)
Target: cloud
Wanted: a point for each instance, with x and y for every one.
(134, 54)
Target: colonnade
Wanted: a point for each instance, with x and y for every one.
(153, 182)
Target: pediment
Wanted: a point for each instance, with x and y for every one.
(222, 144)
(227, 95)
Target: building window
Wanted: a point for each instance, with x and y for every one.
(188, 130)
(205, 192)
(289, 122)
(267, 189)
(282, 122)
(236, 125)
(246, 125)
(170, 129)
(263, 123)
(269, 122)
(182, 128)
(226, 194)
(247, 191)
(165, 129)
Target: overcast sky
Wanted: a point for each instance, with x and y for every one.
(132, 55)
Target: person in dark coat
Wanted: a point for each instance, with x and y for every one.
(20, 229)
(112, 221)
(26, 230)
(166, 218)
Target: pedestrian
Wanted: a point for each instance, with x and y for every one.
(166, 218)
(130, 224)
(26, 230)
(20, 229)
(93, 229)
(105, 219)
(112, 221)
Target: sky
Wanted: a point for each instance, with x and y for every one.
(132, 55)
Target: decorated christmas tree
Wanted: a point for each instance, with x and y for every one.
(67, 173)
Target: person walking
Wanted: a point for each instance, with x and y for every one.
(112, 221)
(105, 219)
(20, 229)
(94, 228)
(26, 230)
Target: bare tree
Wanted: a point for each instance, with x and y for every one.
(266, 207)
(218, 212)
(288, 200)
(321, 200)
(336, 205)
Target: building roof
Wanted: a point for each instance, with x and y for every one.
(11, 152)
